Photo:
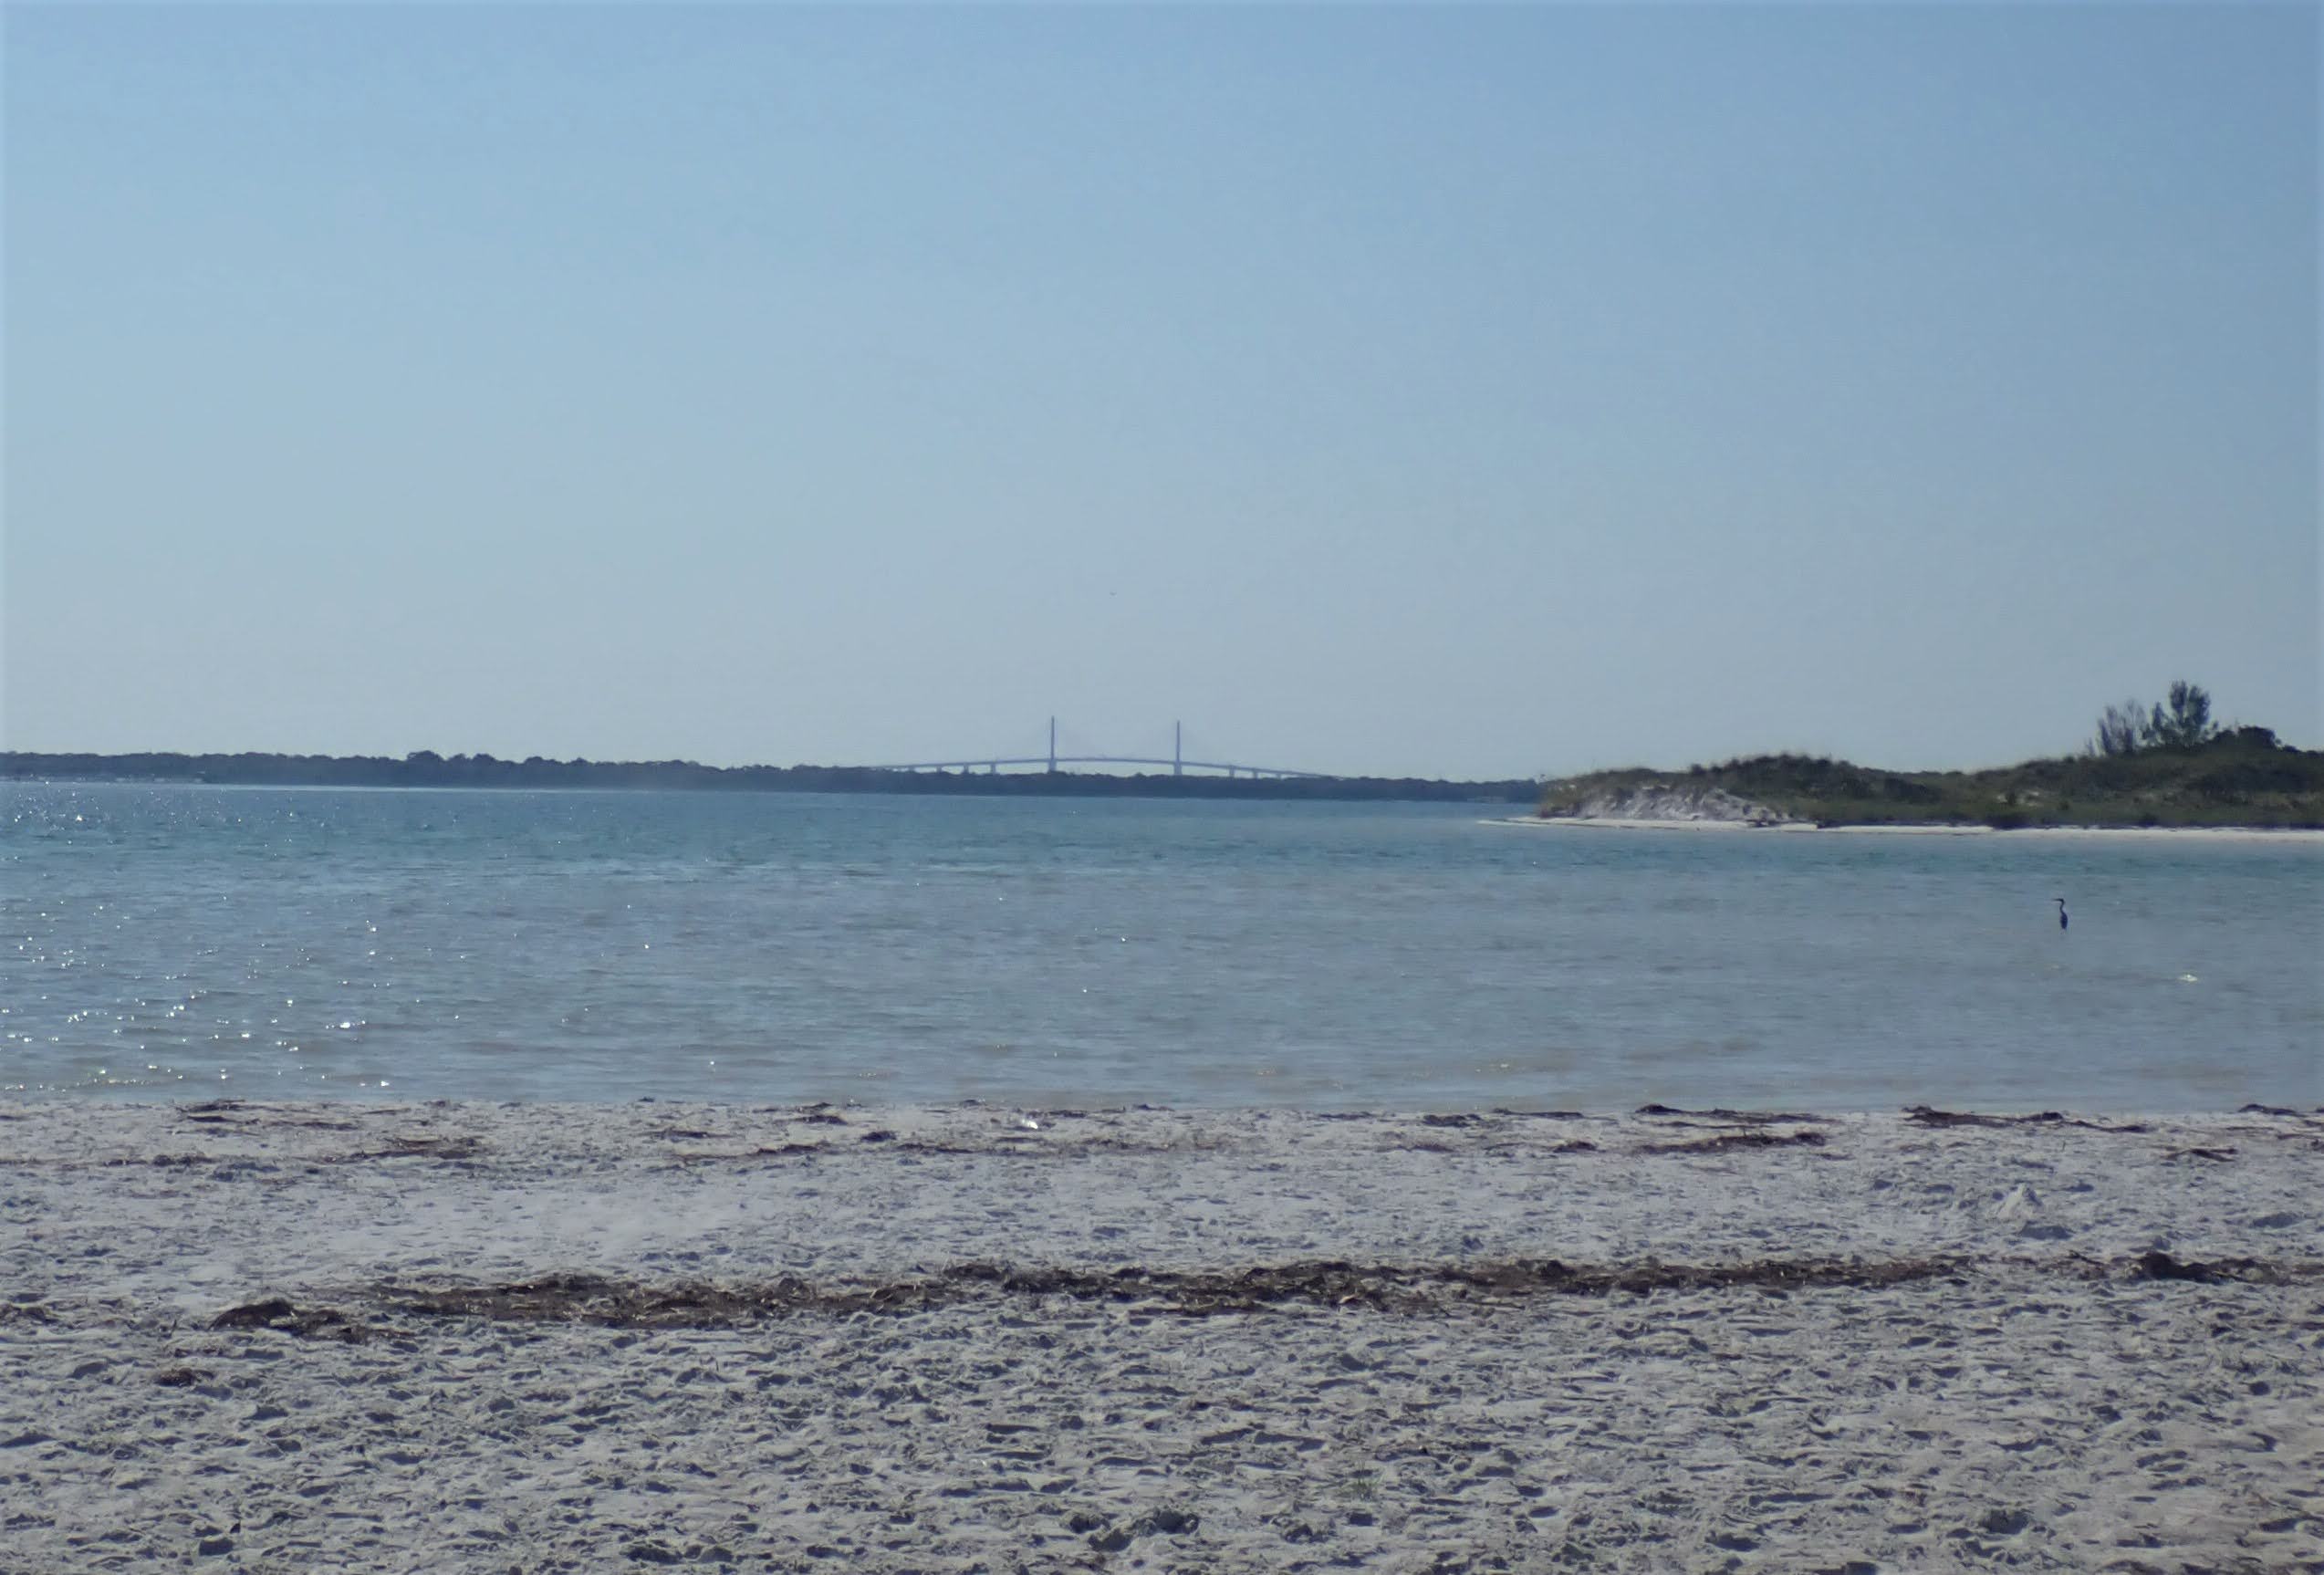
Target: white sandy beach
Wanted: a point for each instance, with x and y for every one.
(943, 1339)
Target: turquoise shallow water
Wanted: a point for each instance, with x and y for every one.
(180, 941)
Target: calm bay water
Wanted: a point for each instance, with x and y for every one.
(189, 941)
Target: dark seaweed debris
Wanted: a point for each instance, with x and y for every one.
(1921, 1115)
(228, 1112)
(276, 1313)
(594, 1299)
(2247, 1270)
(1418, 1290)
(1739, 1118)
(434, 1148)
(1725, 1140)
(232, 1113)
(1003, 1146)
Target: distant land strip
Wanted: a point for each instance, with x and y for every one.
(2239, 778)
(426, 768)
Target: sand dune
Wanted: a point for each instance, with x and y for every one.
(469, 1337)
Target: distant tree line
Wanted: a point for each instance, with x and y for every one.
(426, 768)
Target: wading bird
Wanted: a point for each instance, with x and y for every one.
(2061, 911)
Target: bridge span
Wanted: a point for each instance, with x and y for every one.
(1178, 762)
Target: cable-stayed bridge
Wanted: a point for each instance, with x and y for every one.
(1053, 761)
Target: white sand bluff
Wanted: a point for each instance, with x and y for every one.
(1708, 804)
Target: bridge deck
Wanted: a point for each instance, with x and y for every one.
(1049, 762)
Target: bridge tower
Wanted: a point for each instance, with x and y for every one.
(1053, 746)
(1178, 750)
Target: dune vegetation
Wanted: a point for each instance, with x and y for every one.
(2162, 766)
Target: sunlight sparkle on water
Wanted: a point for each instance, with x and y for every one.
(1331, 940)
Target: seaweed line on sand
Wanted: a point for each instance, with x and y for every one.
(614, 1303)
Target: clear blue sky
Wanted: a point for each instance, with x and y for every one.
(1442, 390)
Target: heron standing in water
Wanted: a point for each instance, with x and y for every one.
(2061, 911)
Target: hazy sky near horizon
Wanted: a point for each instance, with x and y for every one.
(1446, 389)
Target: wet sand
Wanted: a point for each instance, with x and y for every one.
(476, 1337)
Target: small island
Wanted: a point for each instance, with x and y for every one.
(2165, 766)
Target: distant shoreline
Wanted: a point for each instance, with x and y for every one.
(2304, 834)
(486, 772)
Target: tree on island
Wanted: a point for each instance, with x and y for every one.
(2188, 722)
(2120, 728)
(2185, 723)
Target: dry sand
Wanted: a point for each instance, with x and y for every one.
(472, 1337)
